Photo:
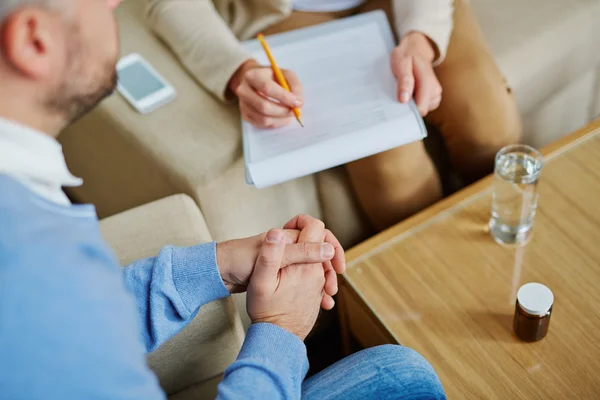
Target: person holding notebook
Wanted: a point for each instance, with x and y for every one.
(73, 323)
(442, 61)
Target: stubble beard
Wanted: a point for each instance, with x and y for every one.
(81, 89)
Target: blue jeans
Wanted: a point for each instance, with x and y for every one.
(383, 372)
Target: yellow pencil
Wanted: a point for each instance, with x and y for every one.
(278, 74)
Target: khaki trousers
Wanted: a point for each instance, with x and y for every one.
(477, 117)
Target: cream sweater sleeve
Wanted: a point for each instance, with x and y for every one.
(200, 38)
(431, 17)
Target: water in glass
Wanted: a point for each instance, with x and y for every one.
(515, 193)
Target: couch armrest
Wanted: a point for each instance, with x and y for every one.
(143, 231)
(198, 355)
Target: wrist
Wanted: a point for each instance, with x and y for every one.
(288, 326)
(223, 264)
(270, 342)
(421, 44)
(238, 75)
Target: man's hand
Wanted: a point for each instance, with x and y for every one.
(412, 65)
(287, 297)
(313, 230)
(263, 102)
(236, 258)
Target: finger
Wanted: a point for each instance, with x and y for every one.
(262, 82)
(295, 84)
(269, 121)
(338, 262)
(281, 122)
(327, 303)
(406, 79)
(302, 221)
(262, 105)
(423, 86)
(253, 117)
(307, 253)
(292, 223)
(435, 103)
(290, 236)
(331, 280)
(268, 263)
(312, 229)
(261, 121)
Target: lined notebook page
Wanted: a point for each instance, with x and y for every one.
(348, 89)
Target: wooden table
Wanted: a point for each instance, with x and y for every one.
(439, 284)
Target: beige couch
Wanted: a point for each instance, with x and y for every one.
(191, 364)
(547, 49)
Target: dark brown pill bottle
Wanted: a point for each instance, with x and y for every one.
(532, 312)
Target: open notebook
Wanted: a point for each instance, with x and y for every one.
(351, 109)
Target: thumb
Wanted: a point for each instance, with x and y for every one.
(268, 263)
(403, 69)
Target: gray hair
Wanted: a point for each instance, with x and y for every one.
(8, 6)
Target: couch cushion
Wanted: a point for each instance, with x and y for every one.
(207, 390)
(195, 136)
(233, 209)
(541, 45)
(341, 212)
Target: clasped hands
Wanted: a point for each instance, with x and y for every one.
(288, 273)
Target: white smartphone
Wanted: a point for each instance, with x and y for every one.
(141, 85)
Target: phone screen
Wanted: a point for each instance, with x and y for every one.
(138, 81)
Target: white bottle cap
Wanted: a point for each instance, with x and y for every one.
(535, 298)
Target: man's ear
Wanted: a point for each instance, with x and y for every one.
(27, 42)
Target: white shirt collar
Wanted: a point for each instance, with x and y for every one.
(35, 160)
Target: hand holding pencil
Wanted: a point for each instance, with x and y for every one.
(278, 74)
(264, 102)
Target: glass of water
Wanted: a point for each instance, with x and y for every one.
(515, 195)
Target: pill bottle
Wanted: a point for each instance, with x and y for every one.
(532, 312)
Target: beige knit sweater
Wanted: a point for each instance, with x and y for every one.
(206, 34)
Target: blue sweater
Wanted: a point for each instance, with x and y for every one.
(75, 325)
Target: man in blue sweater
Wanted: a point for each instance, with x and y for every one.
(73, 323)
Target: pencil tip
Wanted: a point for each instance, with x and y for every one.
(300, 122)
